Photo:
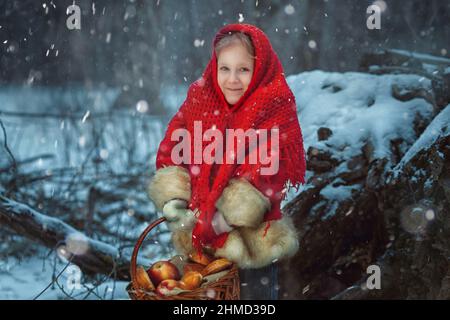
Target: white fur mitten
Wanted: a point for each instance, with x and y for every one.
(178, 216)
(219, 223)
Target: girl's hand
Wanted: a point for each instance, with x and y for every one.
(219, 223)
(178, 216)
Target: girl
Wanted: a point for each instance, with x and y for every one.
(230, 207)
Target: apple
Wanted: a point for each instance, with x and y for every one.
(166, 286)
(163, 270)
(193, 267)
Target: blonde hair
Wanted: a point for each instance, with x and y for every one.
(233, 38)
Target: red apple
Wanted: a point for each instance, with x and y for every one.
(163, 270)
(166, 286)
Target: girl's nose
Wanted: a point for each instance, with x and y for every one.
(234, 77)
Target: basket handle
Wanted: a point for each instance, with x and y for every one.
(138, 246)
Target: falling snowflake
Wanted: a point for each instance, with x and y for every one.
(195, 170)
(210, 293)
(104, 154)
(380, 4)
(429, 215)
(305, 289)
(241, 18)
(62, 252)
(199, 43)
(201, 81)
(77, 243)
(414, 218)
(264, 281)
(289, 9)
(82, 141)
(312, 44)
(86, 115)
(142, 106)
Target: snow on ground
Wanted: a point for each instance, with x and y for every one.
(27, 279)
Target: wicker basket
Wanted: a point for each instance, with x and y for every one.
(226, 287)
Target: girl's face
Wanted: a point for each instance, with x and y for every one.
(234, 71)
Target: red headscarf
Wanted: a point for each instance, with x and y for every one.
(267, 103)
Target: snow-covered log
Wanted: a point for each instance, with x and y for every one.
(352, 213)
(392, 61)
(90, 255)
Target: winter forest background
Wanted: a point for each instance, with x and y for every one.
(82, 113)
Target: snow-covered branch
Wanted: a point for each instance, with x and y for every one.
(90, 255)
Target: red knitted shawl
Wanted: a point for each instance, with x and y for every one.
(267, 103)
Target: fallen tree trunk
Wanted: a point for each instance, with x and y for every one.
(92, 256)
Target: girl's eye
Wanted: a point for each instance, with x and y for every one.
(241, 69)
